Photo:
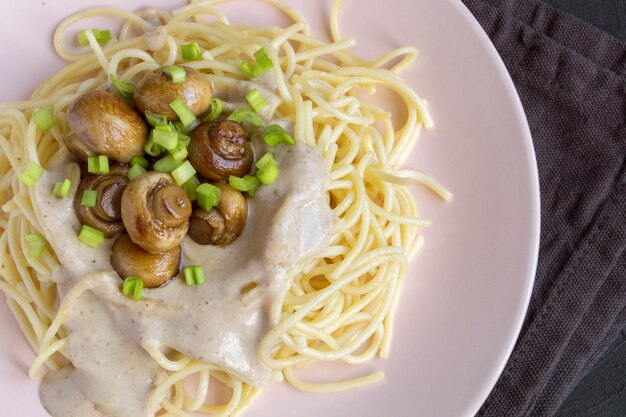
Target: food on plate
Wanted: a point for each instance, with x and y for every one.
(199, 200)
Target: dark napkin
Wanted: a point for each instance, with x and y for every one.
(569, 77)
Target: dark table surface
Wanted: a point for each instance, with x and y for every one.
(602, 392)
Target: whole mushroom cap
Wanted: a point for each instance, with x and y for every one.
(156, 91)
(224, 223)
(106, 215)
(219, 150)
(154, 269)
(103, 123)
(155, 211)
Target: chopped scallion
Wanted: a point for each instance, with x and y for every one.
(183, 173)
(216, 109)
(89, 199)
(176, 73)
(179, 127)
(263, 62)
(167, 140)
(102, 36)
(275, 134)
(191, 52)
(44, 118)
(179, 152)
(126, 90)
(36, 244)
(186, 116)
(135, 171)
(208, 196)
(61, 189)
(256, 100)
(191, 186)
(249, 69)
(152, 148)
(248, 183)
(243, 115)
(183, 140)
(31, 174)
(98, 164)
(90, 236)
(167, 164)
(133, 286)
(266, 159)
(194, 275)
(139, 160)
(268, 174)
(155, 119)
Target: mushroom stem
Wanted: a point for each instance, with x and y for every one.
(171, 205)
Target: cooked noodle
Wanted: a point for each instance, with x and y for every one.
(341, 304)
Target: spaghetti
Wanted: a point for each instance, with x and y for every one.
(341, 304)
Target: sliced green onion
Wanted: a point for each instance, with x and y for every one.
(194, 275)
(98, 164)
(135, 171)
(180, 152)
(186, 116)
(133, 286)
(275, 134)
(89, 199)
(176, 73)
(266, 159)
(103, 164)
(256, 100)
(183, 173)
(31, 174)
(61, 189)
(90, 236)
(216, 109)
(36, 244)
(179, 127)
(191, 52)
(163, 138)
(268, 174)
(190, 186)
(208, 196)
(183, 140)
(167, 164)
(44, 118)
(139, 160)
(102, 36)
(249, 69)
(152, 148)
(126, 90)
(243, 115)
(263, 62)
(155, 119)
(248, 183)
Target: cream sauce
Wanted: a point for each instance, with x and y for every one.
(110, 372)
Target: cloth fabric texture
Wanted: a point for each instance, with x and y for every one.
(569, 77)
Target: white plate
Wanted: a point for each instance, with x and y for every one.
(469, 287)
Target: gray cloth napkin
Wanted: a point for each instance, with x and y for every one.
(569, 77)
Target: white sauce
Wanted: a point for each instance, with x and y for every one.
(111, 374)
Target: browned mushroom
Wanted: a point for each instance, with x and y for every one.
(155, 269)
(155, 211)
(156, 91)
(224, 223)
(106, 215)
(219, 150)
(105, 124)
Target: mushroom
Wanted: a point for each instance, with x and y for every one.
(155, 211)
(155, 269)
(105, 124)
(156, 91)
(219, 150)
(106, 215)
(222, 224)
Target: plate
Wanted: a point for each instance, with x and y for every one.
(468, 289)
